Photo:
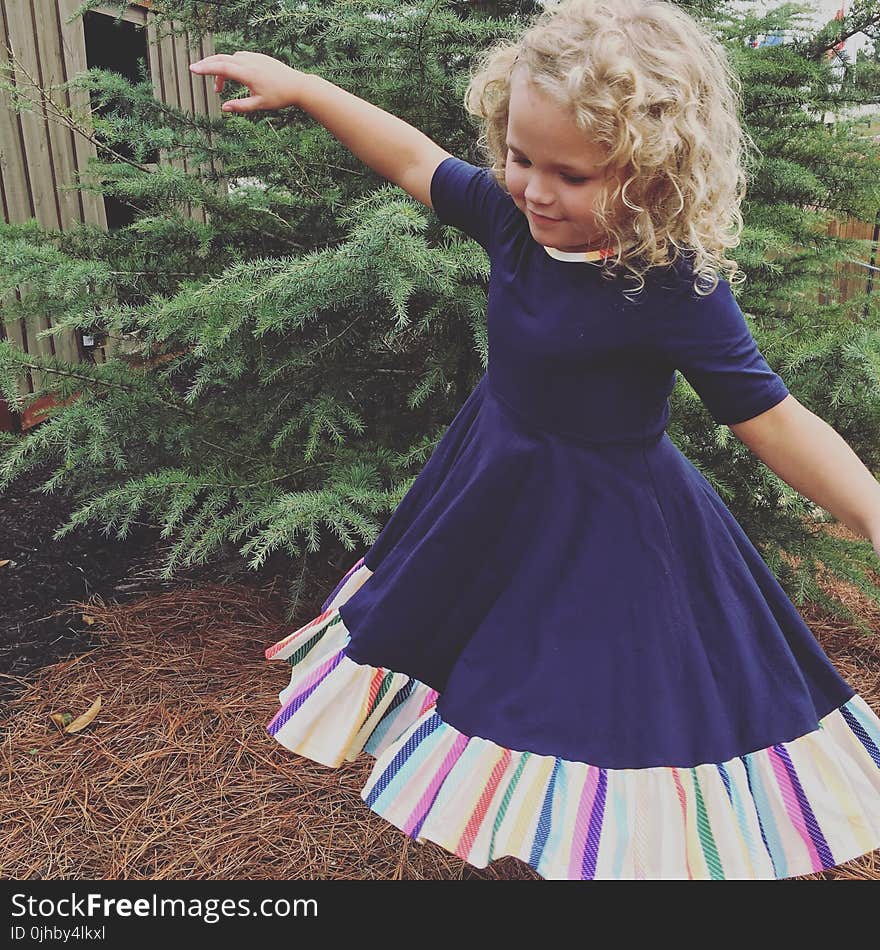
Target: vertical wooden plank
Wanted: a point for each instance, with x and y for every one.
(14, 190)
(50, 73)
(180, 46)
(170, 83)
(73, 47)
(834, 299)
(74, 61)
(36, 141)
(16, 333)
(61, 144)
(200, 106)
(154, 60)
(169, 75)
(864, 232)
(8, 421)
(21, 25)
(852, 269)
(164, 71)
(16, 183)
(213, 109)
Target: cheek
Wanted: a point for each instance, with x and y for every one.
(589, 198)
(514, 179)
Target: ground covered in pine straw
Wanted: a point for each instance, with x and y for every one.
(176, 778)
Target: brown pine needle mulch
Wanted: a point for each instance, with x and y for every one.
(176, 778)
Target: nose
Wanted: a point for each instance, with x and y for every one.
(537, 192)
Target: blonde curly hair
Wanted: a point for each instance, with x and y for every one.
(655, 91)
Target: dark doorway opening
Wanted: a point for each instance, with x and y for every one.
(120, 47)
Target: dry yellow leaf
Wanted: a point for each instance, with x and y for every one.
(87, 619)
(82, 721)
(62, 720)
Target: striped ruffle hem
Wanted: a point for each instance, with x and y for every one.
(794, 808)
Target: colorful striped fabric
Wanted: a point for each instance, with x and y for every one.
(793, 808)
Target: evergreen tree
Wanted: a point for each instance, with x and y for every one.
(285, 370)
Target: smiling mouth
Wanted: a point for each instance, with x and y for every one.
(542, 217)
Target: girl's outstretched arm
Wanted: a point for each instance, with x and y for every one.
(814, 459)
(391, 147)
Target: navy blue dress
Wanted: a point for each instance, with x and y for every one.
(561, 582)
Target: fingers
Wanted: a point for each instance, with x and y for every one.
(205, 64)
(223, 66)
(242, 105)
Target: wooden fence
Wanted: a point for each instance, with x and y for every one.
(857, 276)
(41, 153)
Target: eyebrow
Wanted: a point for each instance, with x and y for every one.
(569, 168)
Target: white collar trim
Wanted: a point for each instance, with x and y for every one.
(597, 255)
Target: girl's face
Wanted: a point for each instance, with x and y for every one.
(551, 171)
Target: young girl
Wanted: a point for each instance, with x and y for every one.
(562, 646)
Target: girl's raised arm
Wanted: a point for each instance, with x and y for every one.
(391, 147)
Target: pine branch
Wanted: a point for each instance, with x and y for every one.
(66, 119)
(838, 31)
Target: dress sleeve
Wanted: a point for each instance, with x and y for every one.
(468, 197)
(711, 344)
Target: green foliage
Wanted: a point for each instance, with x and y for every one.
(283, 371)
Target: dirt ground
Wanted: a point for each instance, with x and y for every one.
(43, 576)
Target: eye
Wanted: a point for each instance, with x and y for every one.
(568, 178)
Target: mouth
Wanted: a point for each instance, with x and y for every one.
(543, 219)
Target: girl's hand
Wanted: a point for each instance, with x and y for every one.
(272, 83)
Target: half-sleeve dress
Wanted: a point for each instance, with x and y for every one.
(562, 645)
